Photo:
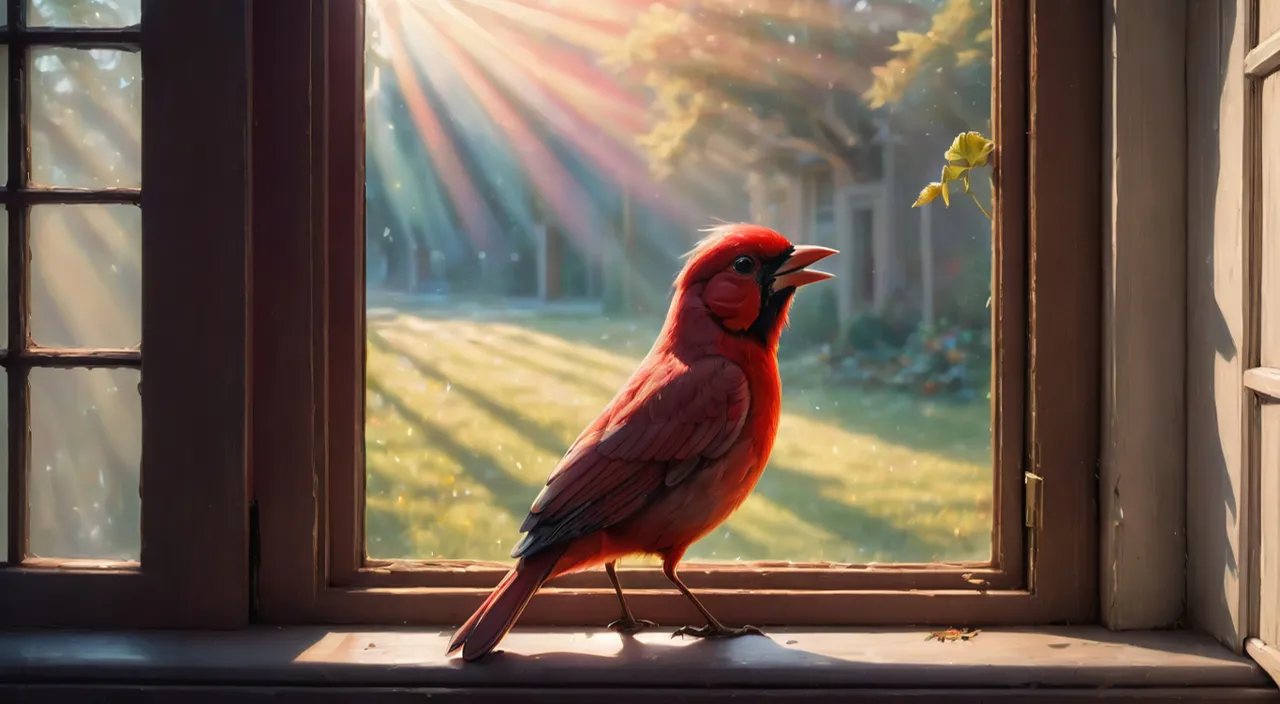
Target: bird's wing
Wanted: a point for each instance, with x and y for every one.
(676, 418)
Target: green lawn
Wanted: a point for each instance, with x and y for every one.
(468, 414)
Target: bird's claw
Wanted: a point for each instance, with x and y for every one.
(627, 627)
(713, 632)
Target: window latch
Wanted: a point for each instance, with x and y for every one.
(1034, 484)
(1033, 519)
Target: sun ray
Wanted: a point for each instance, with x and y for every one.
(517, 68)
(476, 219)
(573, 207)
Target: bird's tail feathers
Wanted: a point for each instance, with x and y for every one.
(486, 627)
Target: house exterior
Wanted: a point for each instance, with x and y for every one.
(895, 260)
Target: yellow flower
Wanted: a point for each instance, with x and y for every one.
(928, 194)
(970, 149)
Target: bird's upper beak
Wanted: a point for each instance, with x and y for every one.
(793, 271)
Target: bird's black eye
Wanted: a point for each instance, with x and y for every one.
(744, 265)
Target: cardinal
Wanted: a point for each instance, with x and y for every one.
(681, 445)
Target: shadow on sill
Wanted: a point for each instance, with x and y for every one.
(789, 658)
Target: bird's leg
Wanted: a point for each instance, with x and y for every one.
(713, 629)
(628, 624)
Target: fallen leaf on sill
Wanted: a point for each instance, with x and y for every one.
(961, 634)
(977, 581)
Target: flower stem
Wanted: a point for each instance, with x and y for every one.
(977, 202)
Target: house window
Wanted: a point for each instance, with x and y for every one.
(824, 198)
(107, 523)
(873, 162)
(73, 162)
(863, 254)
(396, 466)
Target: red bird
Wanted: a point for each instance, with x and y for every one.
(682, 444)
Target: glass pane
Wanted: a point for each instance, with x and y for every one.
(83, 13)
(86, 118)
(4, 277)
(4, 388)
(86, 448)
(4, 462)
(4, 117)
(86, 275)
(533, 182)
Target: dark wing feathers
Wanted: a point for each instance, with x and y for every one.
(678, 418)
(678, 471)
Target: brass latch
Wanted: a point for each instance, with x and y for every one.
(1034, 484)
(1033, 519)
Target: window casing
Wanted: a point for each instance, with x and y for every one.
(309, 382)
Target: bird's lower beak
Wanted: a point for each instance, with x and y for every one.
(793, 273)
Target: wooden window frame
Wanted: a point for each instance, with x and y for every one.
(193, 567)
(309, 384)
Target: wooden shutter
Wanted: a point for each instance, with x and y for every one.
(1262, 258)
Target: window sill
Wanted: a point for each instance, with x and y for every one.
(809, 659)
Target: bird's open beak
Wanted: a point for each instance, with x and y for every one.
(793, 271)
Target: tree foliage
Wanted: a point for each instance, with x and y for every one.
(733, 81)
(922, 79)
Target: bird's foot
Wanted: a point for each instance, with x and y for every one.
(714, 632)
(628, 626)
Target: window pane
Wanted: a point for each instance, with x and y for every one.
(4, 117)
(4, 277)
(533, 182)
(4, 388)
(4, 461)
(86, 118)
(83, 13)
(86, 275)
(86, 445)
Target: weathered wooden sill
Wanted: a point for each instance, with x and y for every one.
(322, 664)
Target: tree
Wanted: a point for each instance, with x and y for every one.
(919, 82)
(734, 84)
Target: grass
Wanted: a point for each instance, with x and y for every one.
(467, 414)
